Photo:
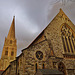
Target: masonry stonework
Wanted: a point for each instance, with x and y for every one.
(53, 49)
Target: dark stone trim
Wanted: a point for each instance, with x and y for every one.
(69, 55)
(58, 58)
(39, 42)
(70, 69)
(55, 57)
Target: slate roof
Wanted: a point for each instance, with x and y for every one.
(50, 71)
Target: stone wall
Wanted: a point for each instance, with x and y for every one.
(11, 69)
(6, 71)
(53, 32)
(20, 64)
(30, 57)
(47, 51)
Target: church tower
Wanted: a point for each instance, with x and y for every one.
(10, 47)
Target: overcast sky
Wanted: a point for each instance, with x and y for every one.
(31, 17)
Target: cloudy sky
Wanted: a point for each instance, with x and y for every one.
(31, 17)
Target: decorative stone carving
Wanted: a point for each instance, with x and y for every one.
(39, 55)
(66, 31)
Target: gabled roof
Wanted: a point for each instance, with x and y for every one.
(19, 56)
(42, 33)
(38, 39)
(65, 17)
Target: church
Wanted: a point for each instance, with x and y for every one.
(9, 48)
(51, 53)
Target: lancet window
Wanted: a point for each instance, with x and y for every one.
(43, 66)
(12, 53)
(6, 52)
(68, 39)
(36, 67)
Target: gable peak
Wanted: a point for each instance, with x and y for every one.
(61, 11)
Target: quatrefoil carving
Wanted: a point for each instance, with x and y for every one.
(66, 31)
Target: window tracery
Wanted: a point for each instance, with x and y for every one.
(68, 39)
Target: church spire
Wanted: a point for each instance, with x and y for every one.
(9, 48)
(11, 34)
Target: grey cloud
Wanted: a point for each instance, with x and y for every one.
(31, 17)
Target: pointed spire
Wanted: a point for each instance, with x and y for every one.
(11, 34)
(61, 10)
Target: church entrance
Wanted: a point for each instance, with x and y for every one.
(62, 68)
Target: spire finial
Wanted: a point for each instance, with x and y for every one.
(14, 16)
(11, 34)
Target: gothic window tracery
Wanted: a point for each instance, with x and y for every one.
(68, 39)
(39, 55)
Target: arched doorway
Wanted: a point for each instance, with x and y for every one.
(62, 68)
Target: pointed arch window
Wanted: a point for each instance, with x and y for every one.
(6, 52)
(36, 67)
(43, 66)
(10, 41)
(67, 35)
(12, 53)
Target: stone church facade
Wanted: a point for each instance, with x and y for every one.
(9, 48)
(53, 49)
